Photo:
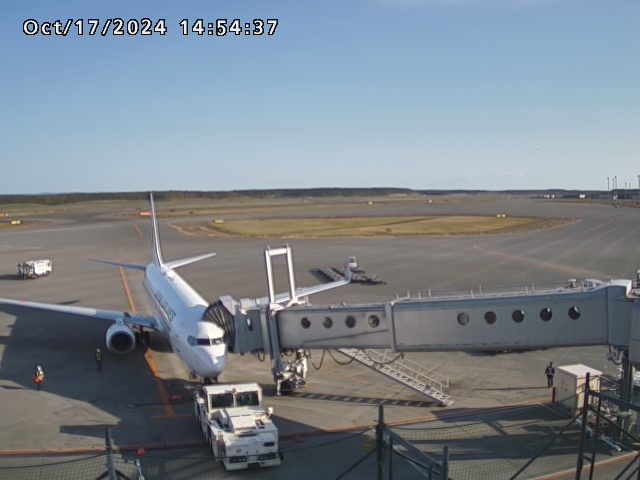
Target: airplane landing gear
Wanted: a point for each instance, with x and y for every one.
(143, 337)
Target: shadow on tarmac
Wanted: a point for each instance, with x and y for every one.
(65, 345)
(10, 276)
(269, 390)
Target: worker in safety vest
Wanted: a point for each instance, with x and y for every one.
(38, 376)
(98, 356)
(550, 372)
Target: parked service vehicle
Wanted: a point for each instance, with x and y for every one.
(238, 430)
(35, 268)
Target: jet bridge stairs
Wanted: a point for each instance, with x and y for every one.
(404, 371)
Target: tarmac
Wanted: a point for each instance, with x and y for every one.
(145, 397)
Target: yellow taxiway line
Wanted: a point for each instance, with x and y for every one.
(148, 355)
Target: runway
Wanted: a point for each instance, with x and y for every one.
(147, 400)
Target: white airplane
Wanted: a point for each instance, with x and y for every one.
(179, 312)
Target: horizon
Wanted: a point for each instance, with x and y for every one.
(424, 94)
(323, 191)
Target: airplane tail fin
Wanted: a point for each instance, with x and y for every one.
(155, 239)
(156, 253)
(155, 245)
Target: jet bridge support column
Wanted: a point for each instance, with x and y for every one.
(272, 330)
(626, 392)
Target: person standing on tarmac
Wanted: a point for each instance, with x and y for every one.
(550, 372)
(98, 356)
(38, 376)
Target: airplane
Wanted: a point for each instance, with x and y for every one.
(179, 312)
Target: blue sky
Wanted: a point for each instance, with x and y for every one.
(473, 94)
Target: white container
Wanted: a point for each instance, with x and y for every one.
(569, 383)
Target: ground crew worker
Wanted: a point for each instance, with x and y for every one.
(98, 360)
(301, 364)
(284, 377)
(38, 376)
(550, 372)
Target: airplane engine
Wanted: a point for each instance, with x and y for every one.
(120, 339)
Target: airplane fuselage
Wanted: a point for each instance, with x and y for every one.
(179, 309)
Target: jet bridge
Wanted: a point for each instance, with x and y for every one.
(580, 313)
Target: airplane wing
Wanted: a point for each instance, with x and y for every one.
(113, 315)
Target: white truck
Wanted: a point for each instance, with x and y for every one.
(238, 430)
(35, 268)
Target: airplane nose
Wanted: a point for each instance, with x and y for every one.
(218, 364)
(213, 365)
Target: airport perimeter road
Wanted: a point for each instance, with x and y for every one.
(146, 398)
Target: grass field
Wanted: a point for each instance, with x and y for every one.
(230, 206)
(368, 226)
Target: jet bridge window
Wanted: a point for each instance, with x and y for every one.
(546, 314)
(305, 323)
(490, 317)
(463, 318)
(518, 316)
(574, 312)
(350, 321)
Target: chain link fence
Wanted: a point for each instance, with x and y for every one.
(528, 442)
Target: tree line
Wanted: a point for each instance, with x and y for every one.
(61, 198)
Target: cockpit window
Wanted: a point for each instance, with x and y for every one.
(204, 341)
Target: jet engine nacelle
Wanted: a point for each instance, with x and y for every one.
(120, 339)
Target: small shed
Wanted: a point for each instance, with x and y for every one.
(570, 380)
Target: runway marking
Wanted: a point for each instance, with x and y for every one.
(148, 355)
(542, 263)
(135, 227)
(100, 449)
